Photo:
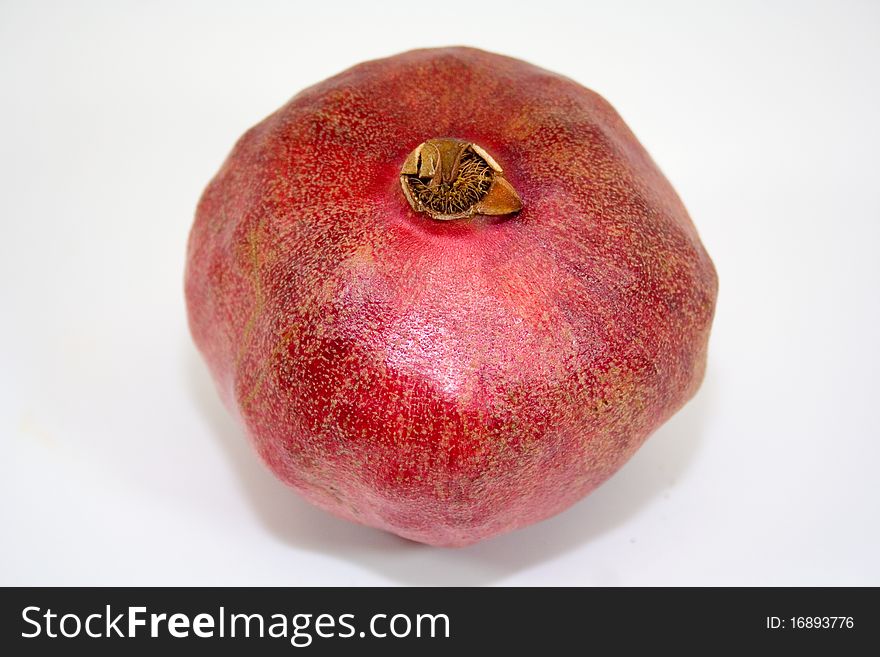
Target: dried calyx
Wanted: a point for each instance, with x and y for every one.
(452, 179)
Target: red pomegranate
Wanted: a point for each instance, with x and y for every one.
(448, 293)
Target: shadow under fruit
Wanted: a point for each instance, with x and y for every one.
(448, 293)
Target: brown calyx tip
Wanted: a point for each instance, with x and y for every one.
(452, 179)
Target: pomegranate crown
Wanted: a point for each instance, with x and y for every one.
(450, 178)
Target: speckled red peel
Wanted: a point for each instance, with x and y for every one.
(447, 380)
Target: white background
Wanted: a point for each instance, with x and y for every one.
(120, 466)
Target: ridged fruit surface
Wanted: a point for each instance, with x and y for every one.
(447, 380)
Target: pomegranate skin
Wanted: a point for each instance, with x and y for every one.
(447, 380)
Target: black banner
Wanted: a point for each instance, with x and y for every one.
(115, 621)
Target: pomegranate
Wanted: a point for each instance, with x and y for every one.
(447, 293)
